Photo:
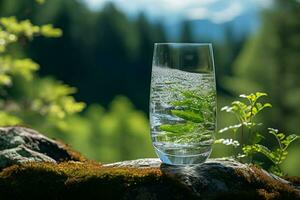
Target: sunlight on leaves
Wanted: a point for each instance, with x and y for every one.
(245, 113)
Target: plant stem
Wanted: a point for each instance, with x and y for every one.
(242, 134)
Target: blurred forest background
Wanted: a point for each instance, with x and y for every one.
(106, 53)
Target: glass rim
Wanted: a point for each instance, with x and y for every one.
(183, 43)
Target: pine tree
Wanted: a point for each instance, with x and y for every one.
(186, 35)
(270, 62)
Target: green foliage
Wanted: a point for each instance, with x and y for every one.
(48, 105)
(269, 61)
(6, 38)
(108, 135)
(273, 52)
(12, 30)
(7, 119)
(11, 67)
(26, 29)
(50, 97)
(45, 97)
(245, 113)
(278, 155)
(197, 109)
(125, 132)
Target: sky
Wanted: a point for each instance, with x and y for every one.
(217, 11)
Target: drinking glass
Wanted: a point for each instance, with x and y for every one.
(183, 102)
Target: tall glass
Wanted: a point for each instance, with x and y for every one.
(183, 102)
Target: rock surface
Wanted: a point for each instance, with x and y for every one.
(222, 176)
(19, 145)
(21, 154)
(31, 167)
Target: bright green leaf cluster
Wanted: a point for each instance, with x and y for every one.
(27, 29)
(8, 120)
(54, 98)
(11, 30)
(245, 114)
(197, 111)
(6, 38)
(278, 155)
(10, 67)
(195, 107)
(46, 97)
(49, 31)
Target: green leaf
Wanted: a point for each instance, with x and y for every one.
(289, 139)
(260, 94)
(254, 111)
(49, 31)
(267, 105)
(259, 106)
(276, 170)
(177, 128)
(188, 115)
(258, 148)
(5, 79)
(258, 137)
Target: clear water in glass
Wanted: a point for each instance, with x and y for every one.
(183, 102)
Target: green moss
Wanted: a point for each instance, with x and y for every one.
(74, 155)
(86, 180)
(91, 180)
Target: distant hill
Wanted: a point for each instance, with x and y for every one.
(206, 30)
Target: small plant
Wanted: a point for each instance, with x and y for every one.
(278, 155)
(246, 113)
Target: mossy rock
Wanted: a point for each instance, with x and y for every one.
(87, 181)
(20, 144)
(78, 178)
(216, 179)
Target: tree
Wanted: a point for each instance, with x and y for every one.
(270, 62)
(186, 32)
(48, 105)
